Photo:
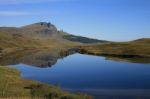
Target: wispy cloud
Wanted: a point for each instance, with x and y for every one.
(3, 2)
(13, 13)
(27, 13)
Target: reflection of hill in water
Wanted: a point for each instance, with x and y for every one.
(34, 58)
(132, 60)
(48, 58)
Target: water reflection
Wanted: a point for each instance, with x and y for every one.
(38, 58)
(46, 58)
(104, 79)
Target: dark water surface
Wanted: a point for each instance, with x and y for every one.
(104, 79)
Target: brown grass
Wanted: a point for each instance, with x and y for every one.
(14, 87)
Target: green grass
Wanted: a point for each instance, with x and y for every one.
(13, 86)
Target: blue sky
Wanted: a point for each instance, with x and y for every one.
(116, 20)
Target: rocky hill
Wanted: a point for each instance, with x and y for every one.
(39, 36)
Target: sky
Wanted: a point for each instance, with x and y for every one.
(114, 20)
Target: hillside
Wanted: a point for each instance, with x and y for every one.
(40, 35)
(136, 48)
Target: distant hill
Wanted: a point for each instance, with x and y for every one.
(49, 30)
(39, 35)
(137, 48)
(83, 39)
(143, 40)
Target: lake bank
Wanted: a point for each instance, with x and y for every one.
(13, 86)
(138, 49)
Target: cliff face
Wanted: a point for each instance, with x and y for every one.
(41, 27)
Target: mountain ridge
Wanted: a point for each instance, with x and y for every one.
(45, 29)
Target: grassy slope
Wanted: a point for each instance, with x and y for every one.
(15, 42)
(139, 48)
(11, 85)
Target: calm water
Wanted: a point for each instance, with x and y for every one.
(104, 79)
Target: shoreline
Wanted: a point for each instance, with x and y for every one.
(12, 85)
